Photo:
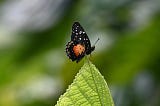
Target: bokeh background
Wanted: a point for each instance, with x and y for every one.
(35, 71)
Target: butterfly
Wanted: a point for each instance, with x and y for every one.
(80, 45)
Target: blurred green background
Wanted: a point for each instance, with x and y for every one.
(35, 71)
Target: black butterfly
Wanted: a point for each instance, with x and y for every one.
(80, 45)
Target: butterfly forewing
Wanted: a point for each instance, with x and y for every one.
(77, 30)
(80, 36)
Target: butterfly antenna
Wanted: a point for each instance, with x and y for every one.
(96, 42)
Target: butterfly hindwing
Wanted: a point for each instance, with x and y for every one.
(69, 50)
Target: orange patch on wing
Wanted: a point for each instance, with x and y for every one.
(78, 49)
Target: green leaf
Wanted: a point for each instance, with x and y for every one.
(88, 89)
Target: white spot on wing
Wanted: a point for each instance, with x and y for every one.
(80, 32)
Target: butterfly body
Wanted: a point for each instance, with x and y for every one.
(80, 45)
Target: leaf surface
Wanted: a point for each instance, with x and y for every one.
(88, 89)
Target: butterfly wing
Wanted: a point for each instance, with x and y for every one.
(69, 50)
(79, 36)
(70, 53)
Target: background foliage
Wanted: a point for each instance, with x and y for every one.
(35, 71)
